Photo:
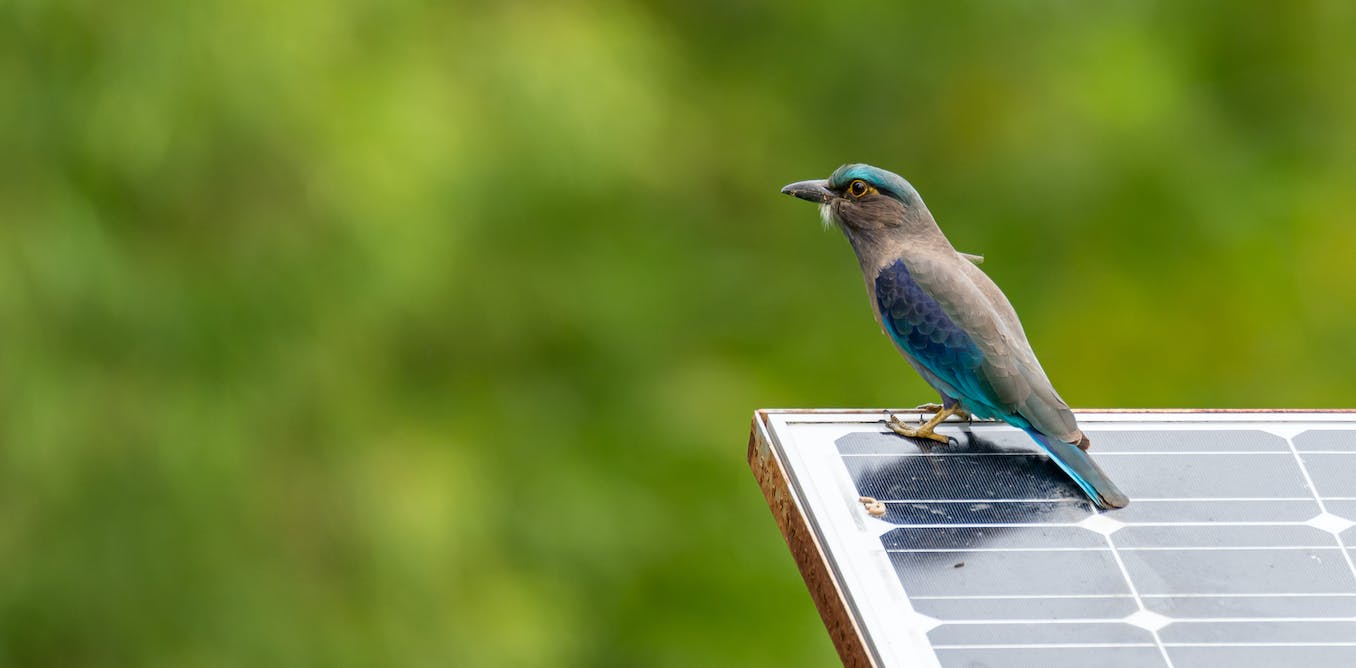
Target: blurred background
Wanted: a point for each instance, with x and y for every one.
(424, 334)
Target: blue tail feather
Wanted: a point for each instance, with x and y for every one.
(1083, 470)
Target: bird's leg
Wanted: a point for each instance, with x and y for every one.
(924, 430)
(956, 410)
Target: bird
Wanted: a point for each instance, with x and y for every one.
(949, 320)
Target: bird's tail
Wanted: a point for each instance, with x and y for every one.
(1083, 470)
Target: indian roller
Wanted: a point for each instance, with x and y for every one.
(949, 320)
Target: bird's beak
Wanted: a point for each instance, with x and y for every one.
(814, 191)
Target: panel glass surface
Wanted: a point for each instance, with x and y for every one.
(1237, 548)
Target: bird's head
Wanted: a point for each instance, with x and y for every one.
(861, 199)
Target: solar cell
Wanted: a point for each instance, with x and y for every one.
(1237, 549)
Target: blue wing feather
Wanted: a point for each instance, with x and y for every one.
(917, 322)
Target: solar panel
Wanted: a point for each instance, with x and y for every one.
(1237, 548)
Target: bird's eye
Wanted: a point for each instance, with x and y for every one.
(858, 188)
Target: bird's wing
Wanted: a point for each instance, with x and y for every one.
(1015, 373)
(944, 319)
(921, 327)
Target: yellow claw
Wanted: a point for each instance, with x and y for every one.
(924, 430)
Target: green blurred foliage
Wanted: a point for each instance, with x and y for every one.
(426, 334)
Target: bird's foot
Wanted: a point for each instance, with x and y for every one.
(924, 430)
(958, 411)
